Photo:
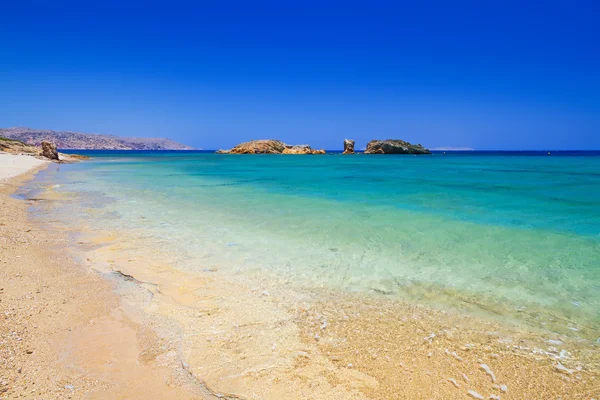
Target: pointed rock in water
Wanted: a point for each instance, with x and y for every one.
(394, 146)
(348, 146)
(49, 150)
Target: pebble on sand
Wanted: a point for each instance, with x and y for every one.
(453, 354)
(475, 395)
(453, 381)
(503, 388)
(562, 368)
(489, 372)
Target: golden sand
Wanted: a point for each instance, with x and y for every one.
(63, 332)
(260, 340)
(167, 333)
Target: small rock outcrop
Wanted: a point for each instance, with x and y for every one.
(49, 150)
(297, 149)
(394, 146)
(270, 147)
(17, 147)
(302, 149)
(259, 147)
(348, 146)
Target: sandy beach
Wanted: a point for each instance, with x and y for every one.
(300, 200)
(63, 333)
(110, 318)
(15, 165)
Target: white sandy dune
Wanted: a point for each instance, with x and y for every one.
(13, 165)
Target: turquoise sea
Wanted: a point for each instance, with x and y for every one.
(514, 235)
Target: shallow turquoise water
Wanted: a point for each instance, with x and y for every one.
(503, 234)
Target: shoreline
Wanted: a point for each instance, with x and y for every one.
(63, 331)
(250, 338)
(211, 337)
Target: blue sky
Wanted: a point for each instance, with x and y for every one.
(480, 74)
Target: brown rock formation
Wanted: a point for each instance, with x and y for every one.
(348, 146)
(16, 147)
(259, 147)
(297, 149)
(301, 149)
(269, 147)
(394, 146)
(49, 150)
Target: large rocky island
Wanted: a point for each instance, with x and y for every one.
(85, 141)
(270, 146)
(394, 146)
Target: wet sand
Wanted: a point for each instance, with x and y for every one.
(262, 340)
(63, 330)
(111, 317)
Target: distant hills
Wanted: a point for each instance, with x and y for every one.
(86, 141)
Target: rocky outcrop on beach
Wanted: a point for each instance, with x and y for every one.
(270, 146)
(348, 146)
(49, 150)
(85, 141)
(16, 147)
(394, 146)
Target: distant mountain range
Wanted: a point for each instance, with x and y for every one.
(86, 141)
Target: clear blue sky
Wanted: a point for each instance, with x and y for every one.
(481, 74)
